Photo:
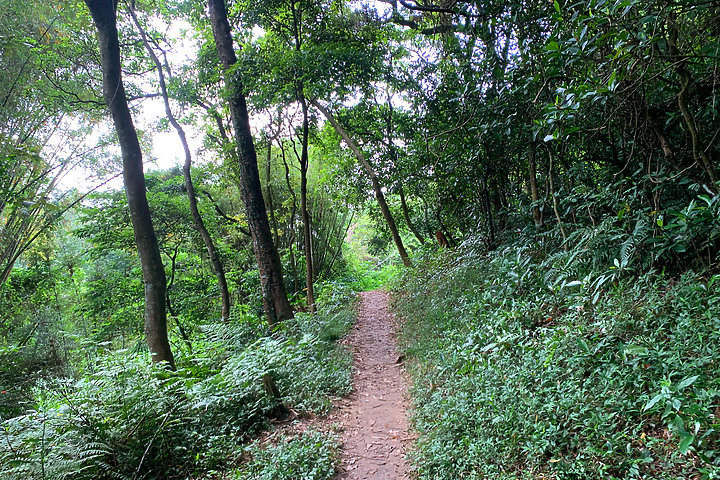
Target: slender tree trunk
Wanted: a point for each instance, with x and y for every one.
(268, 178)
(373, 178)
(406, 215)
(274, 293)
(307, 232)
(537, 216)
(103, 14)
(293, 212)
(304, 161)
(189, 187)
(168, 300)
(394, 157)
(699, 153)
(501, 207)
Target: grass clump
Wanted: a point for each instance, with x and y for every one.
(529, 366)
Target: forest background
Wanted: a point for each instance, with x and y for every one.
(538, 179)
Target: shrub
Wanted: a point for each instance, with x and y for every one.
(311, 455)
(128, 418)
(527, 364)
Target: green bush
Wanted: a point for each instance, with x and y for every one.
(528, 364)
(128, 418)
(310, 455)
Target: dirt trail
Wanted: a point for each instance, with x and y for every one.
(375, 430)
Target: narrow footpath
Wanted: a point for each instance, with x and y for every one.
(375, 429)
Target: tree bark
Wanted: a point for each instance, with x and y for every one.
(406, 215)
(104, 17)
(293, 212)
(537, 216)
(307, 231)
(304, 161)
(268, 179)
(449, 239)
(274, 293)
(373, 178)
(189, 187)
(699, 154)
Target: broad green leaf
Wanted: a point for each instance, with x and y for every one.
(636, 350)
(680, 425)
(686, 382)
(653, 401)
(684, 445)
(680, 247)
(611, 82)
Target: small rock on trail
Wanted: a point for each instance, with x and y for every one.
(375, 429)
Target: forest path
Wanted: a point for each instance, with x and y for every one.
(375, 429)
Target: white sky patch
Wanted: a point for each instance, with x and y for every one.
(167, 150)
(257, 32)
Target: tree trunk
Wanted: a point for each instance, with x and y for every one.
(168, 302)
(304, 160)
(189, 187)
(699, 153)
(449, 240)
(271, 206)
(293, 212)
(103, 14)
(275, 300)
(406, 215)
(537, 216)
(373, 178)
(307, 231)
(441, 239)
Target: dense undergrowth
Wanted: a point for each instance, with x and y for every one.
(528, 364)
(127, 418)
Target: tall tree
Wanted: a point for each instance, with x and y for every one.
(104, 14)
(377, 188)
(189, 186)
(274, 293)
(41, 141)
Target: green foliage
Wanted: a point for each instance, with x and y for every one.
(127, 417)
(310, 455)
(366, 275)
(528, 364)
(371, 262)
(584, 350)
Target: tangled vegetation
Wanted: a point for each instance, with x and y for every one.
(128, 418)
(562, 156)
(529, 363)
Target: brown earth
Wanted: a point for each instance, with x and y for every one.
(372, 418)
